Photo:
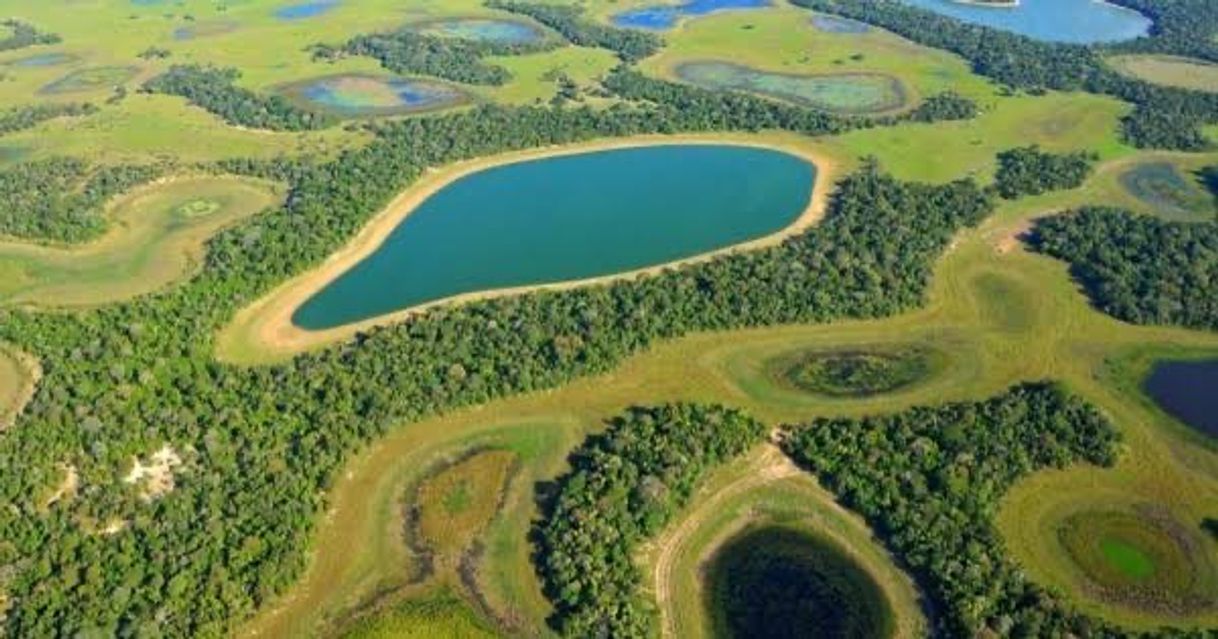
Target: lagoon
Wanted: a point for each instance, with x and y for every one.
(1072, 21)
(1188, 391)
(567, 218)
(664, 17)
(354, 95)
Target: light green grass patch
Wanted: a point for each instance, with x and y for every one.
(157, 237)
(1168, 70)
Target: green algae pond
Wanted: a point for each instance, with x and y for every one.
(843, 93)
(569, 218)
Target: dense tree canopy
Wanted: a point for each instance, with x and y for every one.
(630, 45)
(1139, 268)
(409, 51)
(28, 117)
(928, 480)
(1030, 171)
(624, 486)
(212, 89)
(61, 199)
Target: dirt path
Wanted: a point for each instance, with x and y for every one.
(768, 466)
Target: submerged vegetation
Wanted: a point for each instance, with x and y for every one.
(854, 373)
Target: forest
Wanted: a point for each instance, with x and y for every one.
(1029, 171)
(25, 35)
(28, 117)
(261, 445)
(1138, 268)
(212, 89)
(629, 44)
(928, 481)
(1163, 117)
(407, 51)
(61, 199)
(623, 487)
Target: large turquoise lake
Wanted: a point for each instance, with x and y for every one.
(1074, 21)
(568, 218)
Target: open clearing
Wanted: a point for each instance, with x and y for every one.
(157, 237)
(1174, 71)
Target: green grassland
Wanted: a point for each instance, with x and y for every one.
(1173, 71)
(157, 235)
(996, 315)
(792, 45)
(1001, 314)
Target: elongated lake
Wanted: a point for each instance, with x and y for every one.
(1187, 391)
(569, 218)
(1074, 21)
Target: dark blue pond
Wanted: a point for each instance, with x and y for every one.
(836, 24)
(305, 9)
(1075, 21)
(663, 17)
(1187, 391)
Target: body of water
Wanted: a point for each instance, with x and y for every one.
(664, 17)
(484, 30)
(1188, 391)
(569, 218)
(1073, 21)
(357, 95)
(304, 10)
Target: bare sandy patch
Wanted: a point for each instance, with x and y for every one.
(66, 489)
(156, 478)
(264, 331)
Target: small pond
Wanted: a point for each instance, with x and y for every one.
(42, 60)
(483, 30)
(303, 10)
(845, 93)
(779, 582)
(1074, 21)
(357, 95)
(664, 17)
(1188, 391)
(569, 217)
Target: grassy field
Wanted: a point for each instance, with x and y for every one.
(1173, 71)
(157, 236)
(1001, 315)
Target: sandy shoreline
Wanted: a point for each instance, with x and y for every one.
(266, 325)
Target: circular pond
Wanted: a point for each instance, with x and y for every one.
(303, 10)
(1073, 21)
(1187, 391)
(357, 95)
(483, 30)
(844, 93)
(91, 79)
(663, 17)
(859, 373)
(1171, 193)
(1140, 559)
(781, 582)
(568, 218)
